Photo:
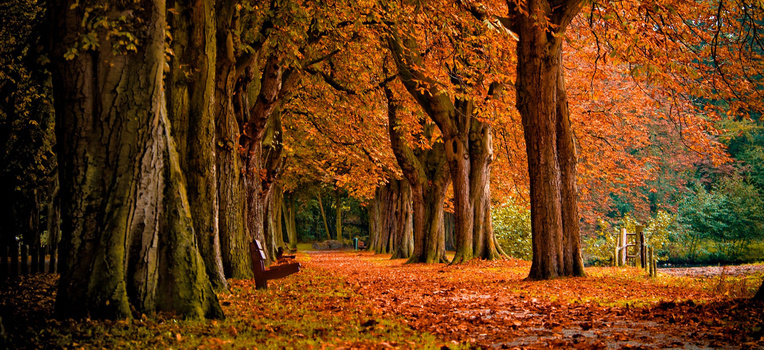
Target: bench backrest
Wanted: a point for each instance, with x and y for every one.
(258, 256)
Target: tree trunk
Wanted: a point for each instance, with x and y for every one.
(539, 54)
(760, 294)
(485, 244)
(374, 211)
(234, 237)
(289, 207)
(128, 239)
(427, 173)
(338, 216)
(573, 259)
(404, 228)
(455, 119)
(448, 230)
(274, 233)
(323, 216)
(386, 197)
(190, 92)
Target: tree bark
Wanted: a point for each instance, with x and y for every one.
(404, 223)
(573, 259)
(455, 119)
(234, 237)
(338, 216)
(128, 239)
(427, 173)
(760, 294)
(385, 199)
(375, 217)
(551, 157)
(289, 207)
(323, 216)
(190, 91)
(273, 231)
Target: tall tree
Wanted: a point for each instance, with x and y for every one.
(427, 173)
(128, 238)
(190, 108)
(468, 147)
(234, 237)
(541, 100)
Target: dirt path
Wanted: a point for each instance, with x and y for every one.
(713, 271)
(489, 305)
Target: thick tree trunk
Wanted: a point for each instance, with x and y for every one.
(262, 141)
(539, 56)
(455, 119)
(385, 199)
(234, 237)
(427, 173)
(760, 294)
(429, 240)
(485, 245)
(191, 111)
(573, 260)
(274, 235)
(374, 211)
(404, 223)
(128, 239)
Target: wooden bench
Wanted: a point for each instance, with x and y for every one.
(262, 275)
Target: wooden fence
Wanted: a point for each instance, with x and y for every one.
(640, 253)
(19, 259)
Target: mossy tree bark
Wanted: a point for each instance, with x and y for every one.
(549, 141)
(191, 110)
(128, 239)
(427, 173)
(468, 149)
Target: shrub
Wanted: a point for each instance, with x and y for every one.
(512, 227)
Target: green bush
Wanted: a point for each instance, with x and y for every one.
(512, 227)
(598, 249)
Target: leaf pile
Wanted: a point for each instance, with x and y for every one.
(366, 301)
(489, 304)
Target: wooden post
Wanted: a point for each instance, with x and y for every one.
(642, 252)
(14, 253)
(652, 262)
(624, 246)
(41, 259)
(24, 260)
(35, 256)
(53, 268)
(3, 261)
(617, 251)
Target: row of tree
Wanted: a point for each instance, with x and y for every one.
(175, 120)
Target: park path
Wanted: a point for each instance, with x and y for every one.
(490, 305)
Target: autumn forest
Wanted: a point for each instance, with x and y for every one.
(442, 174)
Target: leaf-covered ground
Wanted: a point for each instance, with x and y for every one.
(362, 300)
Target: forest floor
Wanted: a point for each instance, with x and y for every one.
(351, 299)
